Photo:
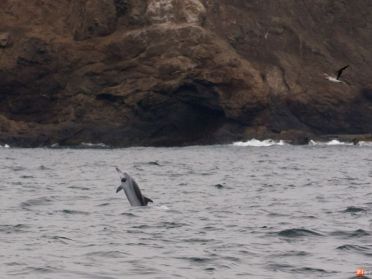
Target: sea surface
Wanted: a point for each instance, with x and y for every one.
(231, 211)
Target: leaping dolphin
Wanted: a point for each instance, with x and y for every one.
(131, 190)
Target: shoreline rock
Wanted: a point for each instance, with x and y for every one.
(171, 72)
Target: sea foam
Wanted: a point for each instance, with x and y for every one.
(258, 143)
(329, 143)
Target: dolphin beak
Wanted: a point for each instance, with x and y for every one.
(119, 189)
(121, 174)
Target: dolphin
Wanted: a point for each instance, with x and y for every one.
(131, 190)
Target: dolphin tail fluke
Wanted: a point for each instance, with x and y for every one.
(147, 200)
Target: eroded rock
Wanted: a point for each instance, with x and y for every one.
(5, 40)
(177, 11)
(172, 72)
(92, 18)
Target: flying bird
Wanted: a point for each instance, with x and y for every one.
(338, 75)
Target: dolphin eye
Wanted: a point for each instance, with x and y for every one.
(123, 179)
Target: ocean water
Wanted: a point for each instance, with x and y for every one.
(232, 211)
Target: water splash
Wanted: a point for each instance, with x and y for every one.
(258, 143)
(329, 143)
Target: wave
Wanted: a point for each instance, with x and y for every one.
(365, 143)
(8, 229)
(4, 146)
(77, 212)
(270, 142)
(355, 248)
(259, 143)
(86, 145)
(350, 234)
(107, 254)
(354, 209)
(329, 143)
(93, 145)
(337, 142)
(163, 207)
(298, 233)
(42, 201)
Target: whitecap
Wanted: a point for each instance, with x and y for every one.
(5, 146)
(365, 143)
(258, 143)
(93, 145)
(333, 142)
(313, 142)
(337, 142)
(162, 207)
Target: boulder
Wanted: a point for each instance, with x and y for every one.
(4, 40)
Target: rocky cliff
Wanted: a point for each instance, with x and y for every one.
(175, 72)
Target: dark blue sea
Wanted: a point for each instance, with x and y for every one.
(249, 210)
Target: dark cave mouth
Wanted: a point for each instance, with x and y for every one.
(183, 123)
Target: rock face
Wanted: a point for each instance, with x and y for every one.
(175, 72)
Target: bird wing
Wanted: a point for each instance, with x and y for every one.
(339, 72)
